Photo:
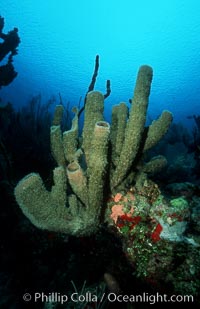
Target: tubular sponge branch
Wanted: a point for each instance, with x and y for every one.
(97, 164)
(135, 125)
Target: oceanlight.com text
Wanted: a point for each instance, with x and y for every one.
(59, 298)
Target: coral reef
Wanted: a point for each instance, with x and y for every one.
(155, 235)
(8, 47)
(91, 168)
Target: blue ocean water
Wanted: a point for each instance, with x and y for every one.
(60, 39)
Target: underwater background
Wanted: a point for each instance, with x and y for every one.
(57, 47)
(59, 42)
